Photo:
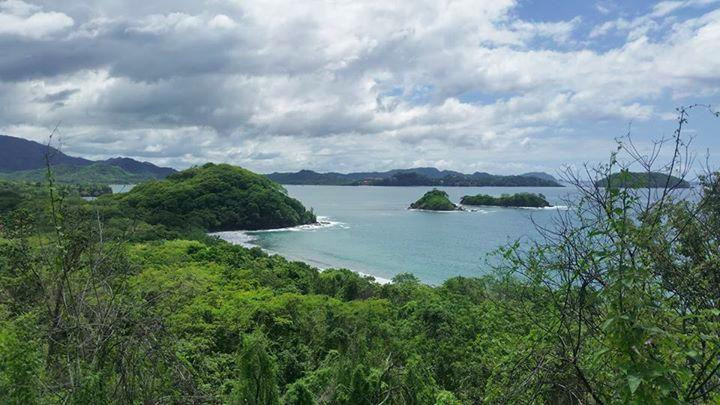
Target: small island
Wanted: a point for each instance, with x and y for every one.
(521, 200)
(628, 179)
(434, 200)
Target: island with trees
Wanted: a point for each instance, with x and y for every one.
(628, 179)
(434, 200)
(520, 200)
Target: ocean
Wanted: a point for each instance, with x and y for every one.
(371, 231)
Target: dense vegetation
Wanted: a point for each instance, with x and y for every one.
(507, 200)
(421, 176)
(630, 179)
(619, 304)
(434, 200)
(14, 195)
(213, 198)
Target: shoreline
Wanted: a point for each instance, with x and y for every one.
(246, 239)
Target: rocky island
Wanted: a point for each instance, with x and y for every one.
(434, 200)
(522, 200)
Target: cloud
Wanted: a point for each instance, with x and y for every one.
(26, 20)
(281, 85)
(660, 17)
(58, 97)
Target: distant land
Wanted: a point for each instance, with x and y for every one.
(24, 160)
(627, 179)
(541, 175)
(421, 176)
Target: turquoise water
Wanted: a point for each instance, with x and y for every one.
(370, 230)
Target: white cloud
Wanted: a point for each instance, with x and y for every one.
(222, 21)
(23, 19)
(347, 85)
(665, 8)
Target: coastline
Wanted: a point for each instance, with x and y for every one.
(247, 238)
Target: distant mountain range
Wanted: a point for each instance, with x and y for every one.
(22, 159)
(421, 176)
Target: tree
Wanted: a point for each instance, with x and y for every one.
(257, 380)
(629, 278)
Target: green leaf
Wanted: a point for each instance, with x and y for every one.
(605, 325)
(634, 383)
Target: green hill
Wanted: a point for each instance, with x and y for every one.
(215, 198)
(94, 173)
(434, 200)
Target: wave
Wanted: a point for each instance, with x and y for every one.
(434, 211)
(241, 238)
(322, 223)
(554, 207)
(494, 208)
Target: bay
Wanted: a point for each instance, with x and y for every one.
(371, 231)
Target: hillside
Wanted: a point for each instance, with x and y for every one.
(22, 154)
(93, 173)
(540, 175)
(422, 176)
(140, 168)
(22, 159)
(214, 198)
(627, 179)
(192, 319)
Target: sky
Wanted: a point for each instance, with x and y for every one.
(503, 86)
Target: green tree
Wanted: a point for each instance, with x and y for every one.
(257, 380)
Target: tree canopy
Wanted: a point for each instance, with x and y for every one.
(215, 198)
(507, 200)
